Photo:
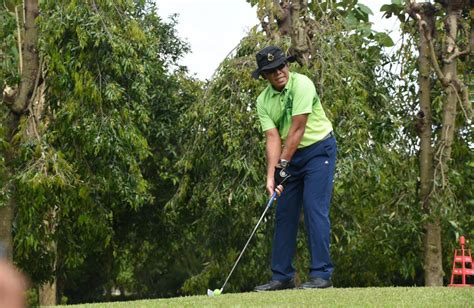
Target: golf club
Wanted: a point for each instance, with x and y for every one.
(219, 291)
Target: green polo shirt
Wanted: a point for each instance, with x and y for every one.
(299, 96)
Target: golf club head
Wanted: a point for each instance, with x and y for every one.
(216, 292)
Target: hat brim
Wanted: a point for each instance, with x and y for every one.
(272, 65)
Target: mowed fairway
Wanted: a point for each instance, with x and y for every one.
(335, 297)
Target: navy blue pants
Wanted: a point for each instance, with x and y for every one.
(310, 186)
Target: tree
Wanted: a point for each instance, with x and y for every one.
(112, 94)
(443, 65)
(18, 99)
(25, 104)
(435, 172)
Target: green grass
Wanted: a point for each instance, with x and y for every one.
(335, 297)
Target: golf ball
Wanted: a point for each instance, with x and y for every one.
(217, 292)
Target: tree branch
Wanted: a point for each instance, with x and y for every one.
(451, 31)
(457, 54)
(464, 100)
(30, 69)
(425, 31)
(33, 97)
(19, 39)
(471, 37)
(435, 64)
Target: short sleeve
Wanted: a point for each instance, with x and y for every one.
(304, 93)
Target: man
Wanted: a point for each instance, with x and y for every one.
(301, 155)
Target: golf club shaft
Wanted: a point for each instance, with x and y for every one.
(269, 204)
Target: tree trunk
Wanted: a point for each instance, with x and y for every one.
(288, 18)
(30, 59)
(432, 237)
(424, 13)
(299, 33)
(6, 218)
(451, 89)
(7, 212)
(47, 294)
(425, 120)
(432, 255)
(273, 16)
(18, 102)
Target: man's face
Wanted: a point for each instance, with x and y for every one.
(278, 77)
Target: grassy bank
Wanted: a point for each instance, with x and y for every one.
(354, 297)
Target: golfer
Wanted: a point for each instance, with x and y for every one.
(301, 155)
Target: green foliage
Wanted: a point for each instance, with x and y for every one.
(101, 166)
(9, 74)
(396, 8)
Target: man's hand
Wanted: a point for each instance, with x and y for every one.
(271, 187)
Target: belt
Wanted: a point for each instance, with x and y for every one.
(331, 134)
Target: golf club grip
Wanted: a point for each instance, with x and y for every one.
(272, 198)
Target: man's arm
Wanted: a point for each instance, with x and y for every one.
(273, 150)
(298, 125)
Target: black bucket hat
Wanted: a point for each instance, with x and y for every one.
(269, 58)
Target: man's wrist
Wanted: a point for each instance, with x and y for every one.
(283, 163)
